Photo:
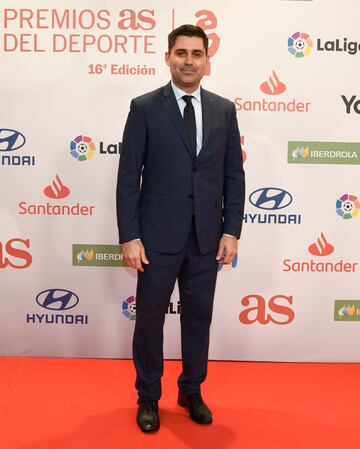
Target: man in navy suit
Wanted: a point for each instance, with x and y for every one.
(180, 203)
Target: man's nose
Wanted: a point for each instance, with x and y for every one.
(189, 59)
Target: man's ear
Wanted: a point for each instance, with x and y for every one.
(167, 56)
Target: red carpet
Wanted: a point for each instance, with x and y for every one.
(90, 404)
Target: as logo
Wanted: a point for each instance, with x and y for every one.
(13, 252)
(258, 310)
(273, 86)
(208, 21)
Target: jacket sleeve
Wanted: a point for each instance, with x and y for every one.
(129, 174)
(234, 181)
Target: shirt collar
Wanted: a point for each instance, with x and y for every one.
(180, 93)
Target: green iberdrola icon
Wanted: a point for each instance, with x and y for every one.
(88, 255)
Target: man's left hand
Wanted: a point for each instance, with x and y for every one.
(227, 249)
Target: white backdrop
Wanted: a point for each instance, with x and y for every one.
(66, 76)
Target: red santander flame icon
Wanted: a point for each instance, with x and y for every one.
(273, 86)
(57, 190)
(321, 247)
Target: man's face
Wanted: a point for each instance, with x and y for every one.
(187, 62)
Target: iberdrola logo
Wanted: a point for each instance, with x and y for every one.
(85, 254)
(300, 153)
(348, 310)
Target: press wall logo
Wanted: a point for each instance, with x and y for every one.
(351, 104)
(348, 206)
(300, 45)
(83, 148)
(207, 20)
(272, 86)
(347, 310)
(259, 310)
(89, 255)
(320, 248)
(10, 141)
(128, 308)
(271, 199)
(305, 152)
(57, 191)
(14, 254)
(57, 300)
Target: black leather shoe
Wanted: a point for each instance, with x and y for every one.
(148, 416)
(198, 410)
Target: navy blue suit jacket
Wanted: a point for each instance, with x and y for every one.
(160, 185)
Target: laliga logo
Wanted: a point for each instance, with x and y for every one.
(82, 148)
(208, 21)
(273, 86)
(300, 44)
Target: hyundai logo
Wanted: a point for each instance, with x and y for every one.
(270, 198)
(57, 299)
(11, 140)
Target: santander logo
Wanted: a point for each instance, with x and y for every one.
(57, 190)
(321, 247)
(273, 86)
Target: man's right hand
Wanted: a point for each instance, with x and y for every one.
(134, 254)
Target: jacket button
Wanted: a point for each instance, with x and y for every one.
(194, 169)
(191, 196)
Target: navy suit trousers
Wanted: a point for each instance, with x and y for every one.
(196, 274)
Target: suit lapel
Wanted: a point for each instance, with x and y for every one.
(171, 107)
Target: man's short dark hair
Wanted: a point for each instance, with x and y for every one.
(187, 30)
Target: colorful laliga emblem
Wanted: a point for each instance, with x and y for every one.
(300, 44)
(348, 206)
(129, 308)
(82, 148)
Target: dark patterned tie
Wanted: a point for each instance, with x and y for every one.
(190, 123)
